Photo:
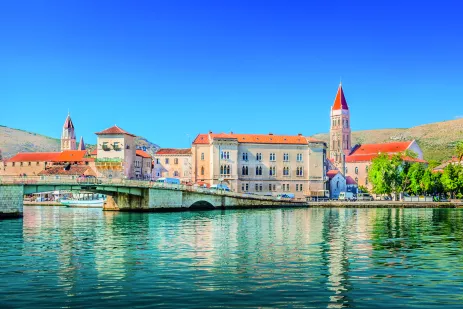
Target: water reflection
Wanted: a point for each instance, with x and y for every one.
(330, 258)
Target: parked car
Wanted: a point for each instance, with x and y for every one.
(289, 196)
(364, 197)
(346, 196)
(220, 187)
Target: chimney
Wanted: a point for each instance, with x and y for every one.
(231, 132)
(299, 134)
(270, 133)
(210, 132)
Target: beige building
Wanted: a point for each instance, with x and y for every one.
(143, 165)
(265, 164)
(173, 163)
(116, 153)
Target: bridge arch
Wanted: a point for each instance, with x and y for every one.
(202, 205)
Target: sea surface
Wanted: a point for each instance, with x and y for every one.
(59, 257)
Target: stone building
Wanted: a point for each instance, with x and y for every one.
(265, 164)
(143, 165)
(173, 163)
(68, 136)
(116, 153)
(354, 161)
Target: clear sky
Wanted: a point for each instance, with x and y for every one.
(168, 70)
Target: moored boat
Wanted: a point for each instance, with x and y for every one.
(85, 200)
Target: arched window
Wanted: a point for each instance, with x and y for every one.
(221, 170)
(356, 170)
(243, 171)
(356, 180)
(247, 171)
(228, 170)
(202, 170)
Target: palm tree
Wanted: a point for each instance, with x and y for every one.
(459, 150)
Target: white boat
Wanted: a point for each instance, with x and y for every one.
(85, 200)
(82, 203)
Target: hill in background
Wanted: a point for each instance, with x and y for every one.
(13, 141)
(437, 140)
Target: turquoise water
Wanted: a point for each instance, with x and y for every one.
(297, 258)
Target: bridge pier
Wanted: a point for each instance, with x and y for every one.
(11, 201)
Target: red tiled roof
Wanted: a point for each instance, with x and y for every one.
(173, 151)
(332, 173)
(73, 170)
(114, 130)
(94, 152)
(71, 156)
(142, 153)
(34, 156)
(68, 123)
(340, 101)
(366, 149)
(350, 181)
(256, 138)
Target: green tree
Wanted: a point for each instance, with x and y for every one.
(379, 174)
(459, 150)
(415, 174)
(452, 179)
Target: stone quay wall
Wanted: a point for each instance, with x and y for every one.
(11, 201)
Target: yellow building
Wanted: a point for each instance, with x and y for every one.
(173, 163)
(265, 164)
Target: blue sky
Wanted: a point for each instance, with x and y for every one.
(169, 70)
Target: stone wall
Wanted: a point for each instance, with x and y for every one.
(11, 201)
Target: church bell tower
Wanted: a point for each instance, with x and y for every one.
(340, 133)
(68, 137)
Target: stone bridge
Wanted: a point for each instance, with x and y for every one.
(132, 195)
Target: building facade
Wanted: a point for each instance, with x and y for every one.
(116, 153)
(173, 163)
(260, 164)
(143, 165)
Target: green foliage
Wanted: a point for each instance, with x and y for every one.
(363, 189)
(459, 150)
(415, 174)
(379, 174)
(452, 179)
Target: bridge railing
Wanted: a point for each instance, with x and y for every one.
(76, 180)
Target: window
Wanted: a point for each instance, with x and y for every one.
(30, 163)
(366, 181)
(337, 184)
(299, 187)
(260, 187)
(356, 180)
(272, 157)
(366, 168)
(116, 146)
(175, 173)
(202, 170)
(285, 171)
(225, 170)
(246, 187)
(158, 174)
(299, 171)
(167, 160)
(299, 157)
(20, 164)
(105, 146)
(245, 156)
(272, 171)
(257, 187)
(244, 171)
(286, 157)
(259, 156)
(225, 155)
(274, 187)
(270, 187)
(158, 161)
(12, 163)
(356, 170)
(346, 169)
(202, 156)
(37, 163)
(176, 161)
(258, 170)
